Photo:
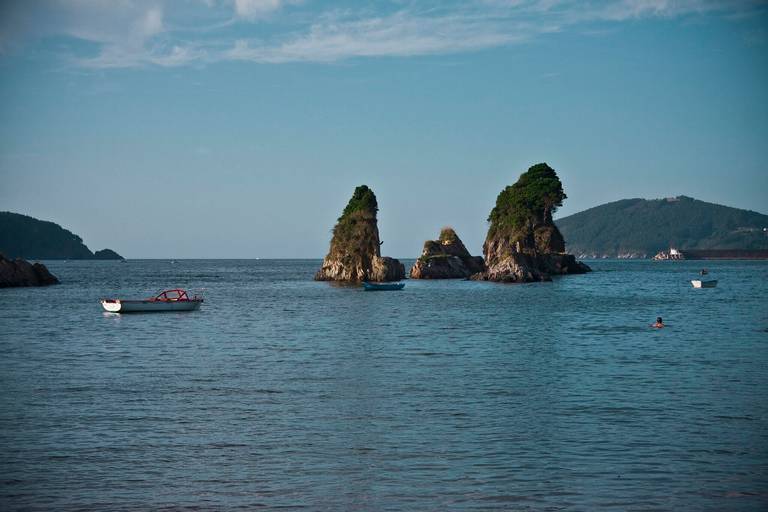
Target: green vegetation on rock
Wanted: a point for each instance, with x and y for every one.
(448, 235)
(424, 258)
(532, 199)
(363, 199)
(356, 231)
(641, 227)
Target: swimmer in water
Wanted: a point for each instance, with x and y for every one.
(659, 323)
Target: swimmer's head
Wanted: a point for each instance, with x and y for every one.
(659, 320)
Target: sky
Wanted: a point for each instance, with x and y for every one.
(239, 129)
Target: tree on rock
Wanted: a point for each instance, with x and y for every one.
(531, 200)
(355, 253)
(363, 199)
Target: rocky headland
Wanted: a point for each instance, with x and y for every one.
(355, 252)
(523, 244)
(446, 258)
(20, 272)
(25, 237)
(640, 228)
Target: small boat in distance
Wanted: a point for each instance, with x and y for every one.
(699, 283)
(373, 287)
(168, 300)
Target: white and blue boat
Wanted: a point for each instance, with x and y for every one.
(373, 287)
(168, 300)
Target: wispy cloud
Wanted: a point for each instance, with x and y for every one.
(401, 34)
(253, 9)
(116, 56)
(484, 24)
(133, 33)
(635, 9)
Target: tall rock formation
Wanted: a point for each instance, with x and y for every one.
(23, 273)
(355, 253)
(446, 258)
(523, 244)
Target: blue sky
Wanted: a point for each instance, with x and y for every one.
(240, 129)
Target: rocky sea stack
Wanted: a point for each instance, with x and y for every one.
(446, 258)
(20, 272)
(523, 244)
(355, 253)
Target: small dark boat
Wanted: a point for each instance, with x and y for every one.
(373, 287)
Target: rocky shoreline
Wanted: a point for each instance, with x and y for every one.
(19, 272)
(612, 256)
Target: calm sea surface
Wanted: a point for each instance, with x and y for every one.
(449, 395)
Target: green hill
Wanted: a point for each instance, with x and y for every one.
(33, 239)
(641, 227)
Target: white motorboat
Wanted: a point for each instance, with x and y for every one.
(168, 300)
(699, 283)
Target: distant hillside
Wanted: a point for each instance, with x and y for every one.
(29, 238)
(640, 228)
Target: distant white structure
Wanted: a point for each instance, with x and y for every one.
(671, 254)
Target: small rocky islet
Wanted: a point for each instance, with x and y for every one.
(355, 251)
(446, 258)
(522, 245)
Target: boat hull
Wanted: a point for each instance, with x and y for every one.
(698, 283)
(373, 287)
(149, 306)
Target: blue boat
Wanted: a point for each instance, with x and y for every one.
(373, 287)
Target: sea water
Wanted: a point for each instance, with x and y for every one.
(282, 392)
